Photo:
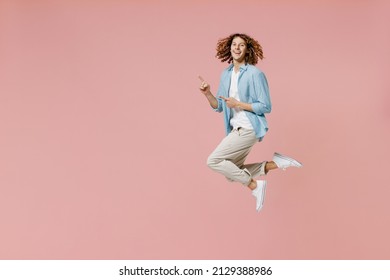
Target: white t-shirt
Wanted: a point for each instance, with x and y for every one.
(239, 118)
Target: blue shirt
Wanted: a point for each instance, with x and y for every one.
(253, 89)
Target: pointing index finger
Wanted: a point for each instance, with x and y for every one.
(200, 78)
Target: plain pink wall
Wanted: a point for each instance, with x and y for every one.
(105, 136)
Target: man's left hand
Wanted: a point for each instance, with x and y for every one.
(231, 102)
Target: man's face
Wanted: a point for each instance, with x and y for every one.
(238, 49)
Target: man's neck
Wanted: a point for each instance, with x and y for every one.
(237, 65)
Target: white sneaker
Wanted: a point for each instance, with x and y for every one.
(259, 194)
(284, 161)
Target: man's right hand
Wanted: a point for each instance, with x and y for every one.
(204, 87)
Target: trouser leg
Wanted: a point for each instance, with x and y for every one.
(230, 154)
(256, 169)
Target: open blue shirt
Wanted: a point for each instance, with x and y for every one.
(253, 89)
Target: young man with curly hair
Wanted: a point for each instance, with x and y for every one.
(244, 99)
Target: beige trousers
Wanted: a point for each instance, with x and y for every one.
(229, 157)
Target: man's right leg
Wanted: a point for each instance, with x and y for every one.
(233, 148)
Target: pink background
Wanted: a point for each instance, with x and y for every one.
(105, 136)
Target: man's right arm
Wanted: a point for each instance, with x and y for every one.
(212, 100)
(205, 89)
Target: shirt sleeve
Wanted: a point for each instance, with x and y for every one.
(219, 108)
(262, 102)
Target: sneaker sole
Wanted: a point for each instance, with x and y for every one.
(293, 161)
(262, 196)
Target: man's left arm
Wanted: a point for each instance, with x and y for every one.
(262, 103)
(234, 103)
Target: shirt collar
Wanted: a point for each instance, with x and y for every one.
(243, 67)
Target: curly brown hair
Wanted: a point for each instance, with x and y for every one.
(255, 51)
